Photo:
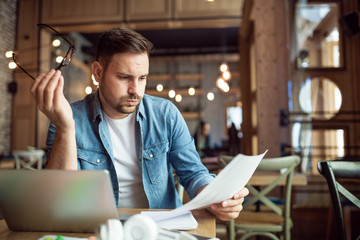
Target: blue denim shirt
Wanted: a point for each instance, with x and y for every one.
(163, 143)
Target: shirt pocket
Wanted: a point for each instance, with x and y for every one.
(155, 159)
(90, 159)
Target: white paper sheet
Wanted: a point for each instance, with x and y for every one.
(168, 220)
(228, 182)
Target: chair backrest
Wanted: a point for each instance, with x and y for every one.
(29, 159)
(332, 171)
(286, 166)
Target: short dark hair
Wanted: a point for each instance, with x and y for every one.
(120, 40)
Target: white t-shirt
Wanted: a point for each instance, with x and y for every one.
(131, 190)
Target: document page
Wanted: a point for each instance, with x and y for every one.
(229, 181)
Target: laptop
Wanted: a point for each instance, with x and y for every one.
(56, 200)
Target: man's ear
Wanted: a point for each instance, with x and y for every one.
(97, 70)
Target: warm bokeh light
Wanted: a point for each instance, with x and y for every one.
(12, 65)
(172, 94)
(226, 75)
(178, 98)
(191, 91)
(88, 90)
(93, 80)
(59, 59)
(56, 42)
(222, 85)
(9, 54)
(210, 96)
(224, 67)
(159, 87)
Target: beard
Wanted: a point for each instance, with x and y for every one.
(119, 104)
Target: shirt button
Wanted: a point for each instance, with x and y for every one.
(98, 160)
(151, 155)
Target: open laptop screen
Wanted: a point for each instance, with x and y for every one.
(56, 200)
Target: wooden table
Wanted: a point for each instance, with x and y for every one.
(205, 220)
(264, 179)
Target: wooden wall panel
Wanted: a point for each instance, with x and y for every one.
(24, 107)
(81, 11)
(148, 10)
(201, 9)
(267, 95)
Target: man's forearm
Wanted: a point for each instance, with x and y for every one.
(63, 153)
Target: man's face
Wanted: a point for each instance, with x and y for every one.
(122, 86)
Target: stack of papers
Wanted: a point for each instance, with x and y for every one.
(228, 182)
(174, 221)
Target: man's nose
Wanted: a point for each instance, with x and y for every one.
(133, 86)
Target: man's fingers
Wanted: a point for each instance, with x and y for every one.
(49, 91)
(39, 89)
(36, 83)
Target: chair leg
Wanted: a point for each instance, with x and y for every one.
(231, 230)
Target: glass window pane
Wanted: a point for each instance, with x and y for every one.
(317, 35)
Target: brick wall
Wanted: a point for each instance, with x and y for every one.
(7, 42)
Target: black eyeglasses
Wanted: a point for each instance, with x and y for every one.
(66, 59)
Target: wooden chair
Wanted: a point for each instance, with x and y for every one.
(261, 216)
(29, 159)
(333, 171)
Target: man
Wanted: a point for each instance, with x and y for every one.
(138, 138)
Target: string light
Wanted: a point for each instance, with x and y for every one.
(12, 65)
(210, 96)
(56, 42)
(9, 54)
(94, 80)
(222, 85)
(159, 87)
(88, 90)
(223, 67)
(178, 98)
(59, 59)
(226, 75)
(191, 91)
(172, 94)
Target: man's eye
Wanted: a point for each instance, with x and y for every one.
(143, 78)
(123, 77)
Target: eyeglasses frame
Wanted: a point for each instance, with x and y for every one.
(66, 59)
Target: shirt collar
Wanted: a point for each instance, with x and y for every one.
(95, 107)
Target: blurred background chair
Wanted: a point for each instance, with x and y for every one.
(29, 159)
(262, 215)
(333, 171)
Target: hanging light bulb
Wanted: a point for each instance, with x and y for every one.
(94, 80)
(88, 90)
(178, 98)
(56, 42)
(210, 96)
(191, 91)
(219, 82)
(172, 94)
(224, 67)
(226, 75)
(226, 87)
(8, 54)
(159, 87)
(222, 85)
(59, 59)
(12, 65)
